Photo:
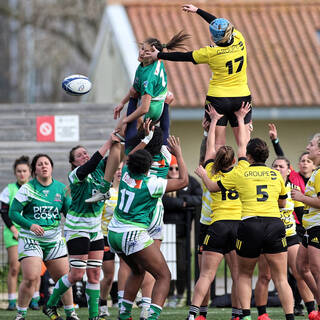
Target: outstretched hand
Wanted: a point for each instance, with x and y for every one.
(213, 114)
(189, 8)
(242, 112)
(152, 54)
(117, 110)
(147, 126)
(200, 171)
(273, 134)
(174, 145)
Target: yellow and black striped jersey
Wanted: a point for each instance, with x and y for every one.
(228, 66)
(108, 209)
(259, 188)
(223, 205)
(312, 218)
(286, 214)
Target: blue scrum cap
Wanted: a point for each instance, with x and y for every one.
(218, 28)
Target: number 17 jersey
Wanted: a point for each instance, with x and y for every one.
(138, 196)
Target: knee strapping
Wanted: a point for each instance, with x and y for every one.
(92, 263)
(78, 263)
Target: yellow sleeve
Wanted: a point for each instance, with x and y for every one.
(201, 55)
(317, 184)
(283, 192)
(230, 181)
(208, 169)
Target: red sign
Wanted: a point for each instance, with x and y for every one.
(45, 128)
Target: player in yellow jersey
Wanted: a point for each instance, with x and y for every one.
(221, 211)
(262, 191)
(108, 256)
(227, 59)
(309, 253)
(282, 164)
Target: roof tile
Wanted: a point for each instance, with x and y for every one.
(282, 44)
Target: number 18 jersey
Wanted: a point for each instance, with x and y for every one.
(259, 188)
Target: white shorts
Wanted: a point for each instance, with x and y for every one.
(92, 236)
(129, 242)
(28, 247)
(156, 227)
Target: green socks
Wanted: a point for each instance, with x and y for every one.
(154, 312)
(92, 294)
(68, 310)
(22, 311)
(60, 288)
(125, 309)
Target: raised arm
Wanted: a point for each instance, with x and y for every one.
(203, 14)
(212, 186)
(92, 163)
(243, 133)
(211, 139)
(148, 136)
(273, 134)
(142, 110)
(183, 180)
(132, 93)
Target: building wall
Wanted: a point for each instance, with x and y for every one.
(110, 79)
(293, 135)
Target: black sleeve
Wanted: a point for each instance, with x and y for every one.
(206, 15)
(172, 203)
(5, 214)
(177, 56)
(277, 148)
(89, 166)
(194, 197)
(299, 213)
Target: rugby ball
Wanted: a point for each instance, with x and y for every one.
(76, 85)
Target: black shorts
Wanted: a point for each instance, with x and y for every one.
(292, 240)
(312, 237)
(107, 255)
(300, 231)
(202, 233)
(259, 235)
(82, 246)
(227, 107)
(221, 236)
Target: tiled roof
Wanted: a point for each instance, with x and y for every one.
(282, 43)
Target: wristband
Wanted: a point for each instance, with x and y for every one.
(147, 138)
(275, 141)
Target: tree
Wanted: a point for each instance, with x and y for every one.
(48, 40)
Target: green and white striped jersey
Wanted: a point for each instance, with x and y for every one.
(138, 197)
(41, 205)
(85, 216)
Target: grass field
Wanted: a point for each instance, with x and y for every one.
(167, 314)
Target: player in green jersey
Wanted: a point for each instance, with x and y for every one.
(21, 169)
(83, 222)
(128, 229)
(150, 83)
(150, 139)
(37, 208)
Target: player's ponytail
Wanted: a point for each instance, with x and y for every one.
(224, 159)
(177, 41)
